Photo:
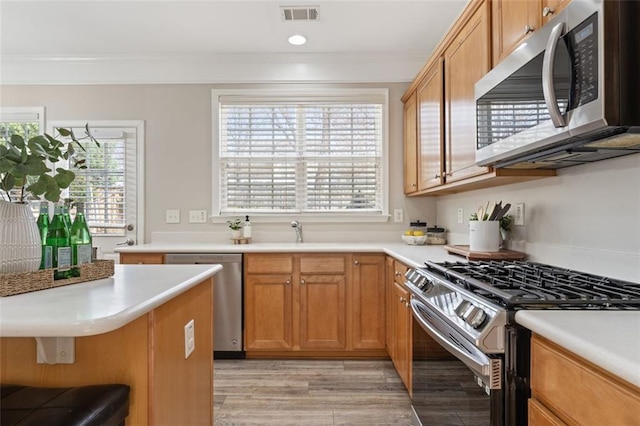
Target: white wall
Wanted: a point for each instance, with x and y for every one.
(178, 155)
(586, 218)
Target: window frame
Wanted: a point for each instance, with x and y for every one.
(344, 94)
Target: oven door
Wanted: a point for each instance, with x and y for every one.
(461, 387)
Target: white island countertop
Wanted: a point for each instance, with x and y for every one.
(100, 306)
(609, 339)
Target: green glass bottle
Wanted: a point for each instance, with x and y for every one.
(43, 227)
(80, 238)
(66, 212)
(58, 240)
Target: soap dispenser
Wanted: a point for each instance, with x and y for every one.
(247, 228)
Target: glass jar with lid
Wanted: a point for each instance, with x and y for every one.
(436, 235)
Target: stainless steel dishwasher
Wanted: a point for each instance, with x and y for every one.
(227, 300)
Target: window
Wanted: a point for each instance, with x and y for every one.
(316, 153)
(107, 186)
(26, 122)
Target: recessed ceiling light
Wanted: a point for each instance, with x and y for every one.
(297, 40)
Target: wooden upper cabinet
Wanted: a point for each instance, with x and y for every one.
(466, 60)
(430, 153)
(549, 8)
(410, 145)
(513, 21)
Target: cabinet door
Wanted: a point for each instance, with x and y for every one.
(410, 145)
(430, 128)
(268, 312)
(540, 416)
(402, 314)
(467, 59)
(549, 8)
(513, 21)
(368, 302)
(390, 319)
(323, 312)
(142, 258)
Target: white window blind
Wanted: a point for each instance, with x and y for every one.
(102, 185)
(301, 155)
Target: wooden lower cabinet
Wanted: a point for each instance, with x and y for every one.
(314, 304)
(368, 301)
(146, 354)
(399, 320)
(142, 258)
(566, 389)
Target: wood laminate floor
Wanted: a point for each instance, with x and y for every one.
(309, 392)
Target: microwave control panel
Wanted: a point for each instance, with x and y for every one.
(583, 45)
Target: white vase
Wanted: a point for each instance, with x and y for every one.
(20, 245)
(236, 233)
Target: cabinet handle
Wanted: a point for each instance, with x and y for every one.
(287, 282)
(437, 176)
(302, 282)
(547, 11)
(402, 299)
(397, 274)
(406, 304)
(356, 262)
(528, 29)
(414, 185)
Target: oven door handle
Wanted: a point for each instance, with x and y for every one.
(474, 359)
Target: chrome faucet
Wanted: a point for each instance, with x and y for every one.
(296, 225)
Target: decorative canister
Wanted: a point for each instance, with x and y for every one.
(484, 235)
(20, 245)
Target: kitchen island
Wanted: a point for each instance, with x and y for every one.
(125, 329)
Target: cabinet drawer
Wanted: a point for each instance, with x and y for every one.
(399, 269)
(323, 264)
(141, 258)
(579, 392)
(540, 416)
(268, 264)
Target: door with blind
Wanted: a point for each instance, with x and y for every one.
(111, 185)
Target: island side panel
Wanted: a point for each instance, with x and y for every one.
(183, 388)
(120, 356)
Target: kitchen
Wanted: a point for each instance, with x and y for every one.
(564, 215)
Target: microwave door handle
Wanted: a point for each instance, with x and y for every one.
(547, 76)
(478, 362)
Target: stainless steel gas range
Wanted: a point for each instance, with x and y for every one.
(468, 309)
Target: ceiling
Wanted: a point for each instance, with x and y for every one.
(130, 30)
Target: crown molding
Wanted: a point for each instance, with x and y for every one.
(220, 68)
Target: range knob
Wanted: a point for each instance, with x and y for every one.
(462, 308)
(477, 318)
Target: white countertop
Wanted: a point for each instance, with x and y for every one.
(411, 255)
(609, 339)
(100, 306)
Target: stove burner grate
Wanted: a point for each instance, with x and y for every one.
(517, 283)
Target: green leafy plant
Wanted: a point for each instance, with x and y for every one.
(505, 221)
(25, 164)
(234, 224)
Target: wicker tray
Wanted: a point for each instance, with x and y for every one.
(24, 282)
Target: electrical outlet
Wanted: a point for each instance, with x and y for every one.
(518, 219)
(197, 216)
(398, 215)
(189, 339)
(173, 216)
(460, 215)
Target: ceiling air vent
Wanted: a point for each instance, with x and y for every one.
(299, 13)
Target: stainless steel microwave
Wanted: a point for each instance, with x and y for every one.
(569, 94)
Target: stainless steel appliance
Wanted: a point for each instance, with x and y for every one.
(568, 94)
(468, 308)
(227, 300)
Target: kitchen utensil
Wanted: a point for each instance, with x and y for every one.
(486, 211)
(502, 212)
(480, 213)
(496, 210)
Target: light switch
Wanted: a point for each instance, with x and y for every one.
(172, 216)
(189, 339)
(197, 216)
